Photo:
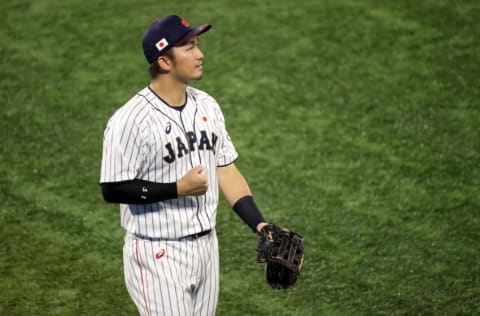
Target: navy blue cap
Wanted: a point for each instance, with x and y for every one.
(167, 32)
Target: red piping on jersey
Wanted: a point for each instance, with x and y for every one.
(141, 277)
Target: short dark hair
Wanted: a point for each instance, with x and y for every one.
(155, 69)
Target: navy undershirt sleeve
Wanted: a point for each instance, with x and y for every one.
(248, 211)
(138, 192)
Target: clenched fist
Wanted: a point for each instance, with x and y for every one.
(194, 182)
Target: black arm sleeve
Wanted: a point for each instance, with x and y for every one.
(138, 192)
(248, 211)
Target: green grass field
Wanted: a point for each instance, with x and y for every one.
(357, 124)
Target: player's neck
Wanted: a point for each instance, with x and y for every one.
(172, 92)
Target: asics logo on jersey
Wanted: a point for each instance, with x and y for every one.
(179, 149)
(168, 129)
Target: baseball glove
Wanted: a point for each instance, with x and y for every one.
(282, 250)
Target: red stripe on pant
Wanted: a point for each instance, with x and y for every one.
(141, 277)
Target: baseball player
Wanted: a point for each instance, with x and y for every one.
(166, 155)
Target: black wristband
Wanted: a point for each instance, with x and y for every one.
(138, 192)
(248, 211)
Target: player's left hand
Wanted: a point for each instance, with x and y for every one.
(283, 252)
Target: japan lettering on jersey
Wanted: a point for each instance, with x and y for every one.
(147, 139)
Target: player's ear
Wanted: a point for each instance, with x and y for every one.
(164, 63)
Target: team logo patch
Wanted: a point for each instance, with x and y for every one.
(185, 23)
(161, 44)
(160, 254)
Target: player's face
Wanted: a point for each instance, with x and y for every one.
(187, 65)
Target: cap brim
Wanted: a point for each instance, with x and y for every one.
(195, 32)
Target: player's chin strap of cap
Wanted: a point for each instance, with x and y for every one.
(189, 237)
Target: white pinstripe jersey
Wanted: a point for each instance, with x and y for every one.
(149, 140)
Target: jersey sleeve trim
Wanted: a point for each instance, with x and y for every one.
(228, 164)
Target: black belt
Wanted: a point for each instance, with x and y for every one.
(189, 237)
(198, 235)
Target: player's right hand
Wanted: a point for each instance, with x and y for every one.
(194, 182)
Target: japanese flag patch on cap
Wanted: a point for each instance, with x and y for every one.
(161, 44)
